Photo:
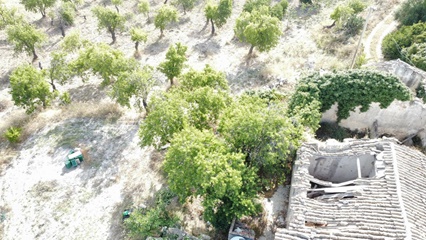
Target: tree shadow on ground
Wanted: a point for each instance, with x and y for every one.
(207, 48)
(86, 93)
(157, 47)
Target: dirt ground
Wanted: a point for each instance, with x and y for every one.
(40, 199)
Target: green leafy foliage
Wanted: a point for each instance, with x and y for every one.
(416, 55)
(25, 38)
(345, 16)
(38, 5)
(8, 16)
(59, 69)
(103, 60)
(13, 134)
(73, 42)
(186, 4)
(148, 222)
(421, 92)
(29, 88)
(144, 7)
(134, 84)
(411, 12)
(175, 59)
(402, 38)
(198, 163)
(279, 9)
(251, 5)
(67, 13)
(259, 29)
(165, 15)
(109, 20)
(218, 14)
(138, 35)
(349, 89)
(259, 128)
(174, 110)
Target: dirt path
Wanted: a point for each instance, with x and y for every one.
(373, 44)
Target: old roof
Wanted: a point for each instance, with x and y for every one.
(358, 189)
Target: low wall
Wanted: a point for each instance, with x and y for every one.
(400, 119)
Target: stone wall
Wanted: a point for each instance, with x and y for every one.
(409, 75)
(400, 119)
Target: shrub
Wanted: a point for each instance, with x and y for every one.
(13, 134)
(415, 55)
(411, 12)
(354, 25)
(251, 5)
(404, 37)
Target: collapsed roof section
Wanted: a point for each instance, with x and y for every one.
(355, 190)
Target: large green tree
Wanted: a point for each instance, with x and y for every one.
(175, 59)
(134, 84)
(109, 20)
(165, 15)
(104, 61)
(25, 38)
(29, 89)
(259, 128)
(38, 5)
(259, 29)
(199, 164)
(218, 14)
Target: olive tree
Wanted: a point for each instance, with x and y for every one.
(25, 38)
(29, 89)
(144, 7)
(259, 29)
(102, 60)
(38, 5)
(8, 16)
(186, 4)
(138, 35)
(109, 20)
(175, 59)
(134, 84)
(59, 69)
(165, 15)
(218, 14)
(66, 16)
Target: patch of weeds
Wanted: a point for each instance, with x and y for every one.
(150, 221)
(13, 134)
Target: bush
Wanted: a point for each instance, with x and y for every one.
(279, 9)
(411, 12)
(402, 38)
(251, 5)
(416, 55)
(421, 92)
(354, 25)
(149, 222)
(13, 134)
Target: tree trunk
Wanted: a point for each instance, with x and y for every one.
(165, 2)
(332, 25)
(211, 21)
(136, 45)
(251, 50)
(171, 82)
(35, 57)
(145, 105)
(53, 85)
(114, 38)
(62, 30)
(51, 22)
(116, 8)
(161, 35)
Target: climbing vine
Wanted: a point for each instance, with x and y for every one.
(317, 93)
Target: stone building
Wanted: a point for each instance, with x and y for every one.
(358, 189)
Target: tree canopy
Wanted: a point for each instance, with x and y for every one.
(411, 12)
(259, 29)
(25, 38)
(109, 20)
(38, 5)
(138, 35)
(218, 14)
(175, 59)
(165, 15)
(29, 89)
